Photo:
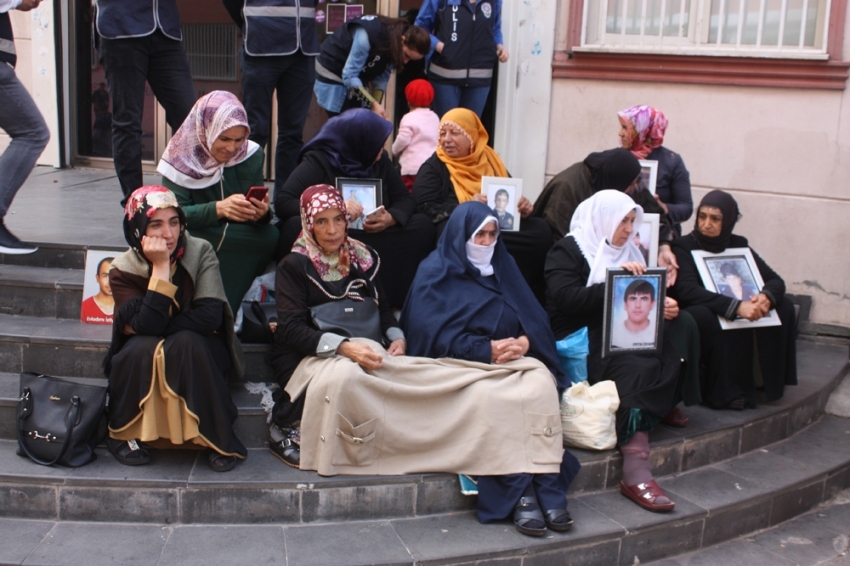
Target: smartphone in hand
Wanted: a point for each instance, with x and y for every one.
(258, 193)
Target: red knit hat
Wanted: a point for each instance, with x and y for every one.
(419, 93)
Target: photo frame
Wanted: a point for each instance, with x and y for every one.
(506, 212)
(97, 305)
(718, 272)
(648, 175)
(368, 192)
(645, 237)
(634, 311)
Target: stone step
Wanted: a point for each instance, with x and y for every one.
(711, 437)
(71, 348)
(251, 426)
(63, 256)
(63, 517)
(50, 292)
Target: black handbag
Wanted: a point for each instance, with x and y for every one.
(59, 421)
(256, 320)
(349, 318)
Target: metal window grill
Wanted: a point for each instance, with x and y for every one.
(212, 50)
(778, 26)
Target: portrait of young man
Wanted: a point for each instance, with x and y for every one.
(635, 327)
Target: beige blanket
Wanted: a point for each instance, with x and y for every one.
(416, 415)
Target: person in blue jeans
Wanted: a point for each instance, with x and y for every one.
(278, 53)
(21, 120)
(141, 41)
(466, 41)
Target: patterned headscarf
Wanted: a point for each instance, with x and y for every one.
(646, 126)
(466, 172)
(336, 266)
(188, 160)
(141, 206)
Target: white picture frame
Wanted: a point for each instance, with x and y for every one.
(97, 296)
(715, 268)
(499, 186)
(648, 175)
(645, 237)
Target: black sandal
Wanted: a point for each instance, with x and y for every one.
(558, 520)
(128, 452)
(528, 519)
(220, 462)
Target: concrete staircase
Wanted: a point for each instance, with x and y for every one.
(730, 473)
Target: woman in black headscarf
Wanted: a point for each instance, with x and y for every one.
(469, 301)
(173, 345)
(351, 145)
(728, 374)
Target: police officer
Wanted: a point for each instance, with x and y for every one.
(466, 38)
(279, 48)
(141, 40)
(362, 53)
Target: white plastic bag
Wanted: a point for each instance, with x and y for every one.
(588, 415)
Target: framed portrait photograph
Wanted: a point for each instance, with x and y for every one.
(645, 237)
(634, 311)
(733, 272)
(98, 305)
(367, 192)
(648, 175)
(503, 194)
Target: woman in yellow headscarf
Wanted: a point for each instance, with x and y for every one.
(453, 175)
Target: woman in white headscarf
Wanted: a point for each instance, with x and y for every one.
(650, 385)
(210, 165)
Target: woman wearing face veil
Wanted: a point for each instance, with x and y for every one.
(470, 302)
(650, 385)
(728, 371)
(172, 340)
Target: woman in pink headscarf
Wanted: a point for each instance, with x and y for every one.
(209, 165)
(642, 132)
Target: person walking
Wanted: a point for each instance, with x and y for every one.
(22, 121)
(278, 53)
(141, 41)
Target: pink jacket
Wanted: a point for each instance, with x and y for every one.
(416, 140)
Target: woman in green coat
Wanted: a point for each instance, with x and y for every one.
(210, 165)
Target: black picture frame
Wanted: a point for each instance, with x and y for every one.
(367, 191)
(617, 337)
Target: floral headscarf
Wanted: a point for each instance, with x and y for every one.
(188, 160)
(646, 127)
(466, 172)
(141, 206)
(331, 267)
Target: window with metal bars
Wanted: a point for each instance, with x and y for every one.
(212, 50)
(752, 28)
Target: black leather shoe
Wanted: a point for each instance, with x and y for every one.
(287, 451)
(558, 520)
(528, 519)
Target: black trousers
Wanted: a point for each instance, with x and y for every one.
(128, 64)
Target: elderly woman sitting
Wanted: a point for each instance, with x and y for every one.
(650, 385)
(453, 176)
(172, 340)
(642, 131)
(209, 165)
(469, 302)
(727, 356)
(325, 268)
(351, 145)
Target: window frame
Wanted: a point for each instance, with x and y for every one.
(830, 73)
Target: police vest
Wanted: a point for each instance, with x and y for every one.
(119, 19)
(336, 48)
(280, 27)
(7, 40)
(469, 48)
